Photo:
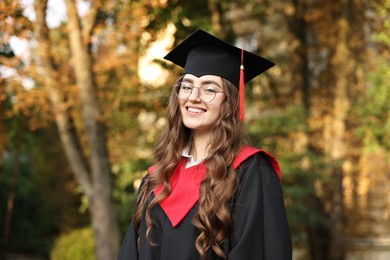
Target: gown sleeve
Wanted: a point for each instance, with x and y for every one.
(129, 249)
(261, 229)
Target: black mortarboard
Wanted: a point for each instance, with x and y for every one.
(204, 54)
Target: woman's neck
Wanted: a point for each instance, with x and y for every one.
(199, 146)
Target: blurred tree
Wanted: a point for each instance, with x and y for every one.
(330, 58)
(370, 118)
(37, 198)
(15, 168)
(93, 174)
(328, 46)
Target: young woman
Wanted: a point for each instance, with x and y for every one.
(208, 195)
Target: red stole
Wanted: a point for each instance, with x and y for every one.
(185, 184)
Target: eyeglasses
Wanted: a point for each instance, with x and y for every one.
(206, 92)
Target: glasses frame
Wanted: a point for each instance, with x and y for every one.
(177, 90)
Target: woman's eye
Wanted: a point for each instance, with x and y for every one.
(209, 90)
(186, 87)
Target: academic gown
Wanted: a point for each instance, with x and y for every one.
(260, 228)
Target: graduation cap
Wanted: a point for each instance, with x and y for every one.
(204, 54)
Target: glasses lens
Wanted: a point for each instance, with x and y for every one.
(183, 91)
(207, 93)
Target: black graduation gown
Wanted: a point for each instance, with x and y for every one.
(260, 228)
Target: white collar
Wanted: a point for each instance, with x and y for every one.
(190, 159)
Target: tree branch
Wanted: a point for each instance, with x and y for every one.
(90, 22)
(64, 122)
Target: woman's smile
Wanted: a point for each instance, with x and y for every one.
(196, 110)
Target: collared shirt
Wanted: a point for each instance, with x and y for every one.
(190, 159)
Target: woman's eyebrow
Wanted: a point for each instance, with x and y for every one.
(210, 82)
(206, 82)
(187, 80)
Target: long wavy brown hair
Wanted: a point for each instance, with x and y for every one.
(213, 218)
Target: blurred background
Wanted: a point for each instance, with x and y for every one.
(83, 96)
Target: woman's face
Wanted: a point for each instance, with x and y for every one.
(198, 115)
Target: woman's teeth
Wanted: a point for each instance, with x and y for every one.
(195, 110)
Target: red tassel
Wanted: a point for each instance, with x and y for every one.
(241, 87)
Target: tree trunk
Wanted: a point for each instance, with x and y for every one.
(62, 116)
(14, 181)
(324, 33)
(93, 174)
(318, 234)
(103, 213)
(334, 133)
(216, 18)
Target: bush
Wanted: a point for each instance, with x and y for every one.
(75, 245)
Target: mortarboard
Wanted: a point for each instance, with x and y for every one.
(204, 54)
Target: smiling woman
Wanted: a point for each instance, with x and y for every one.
(209, 196)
